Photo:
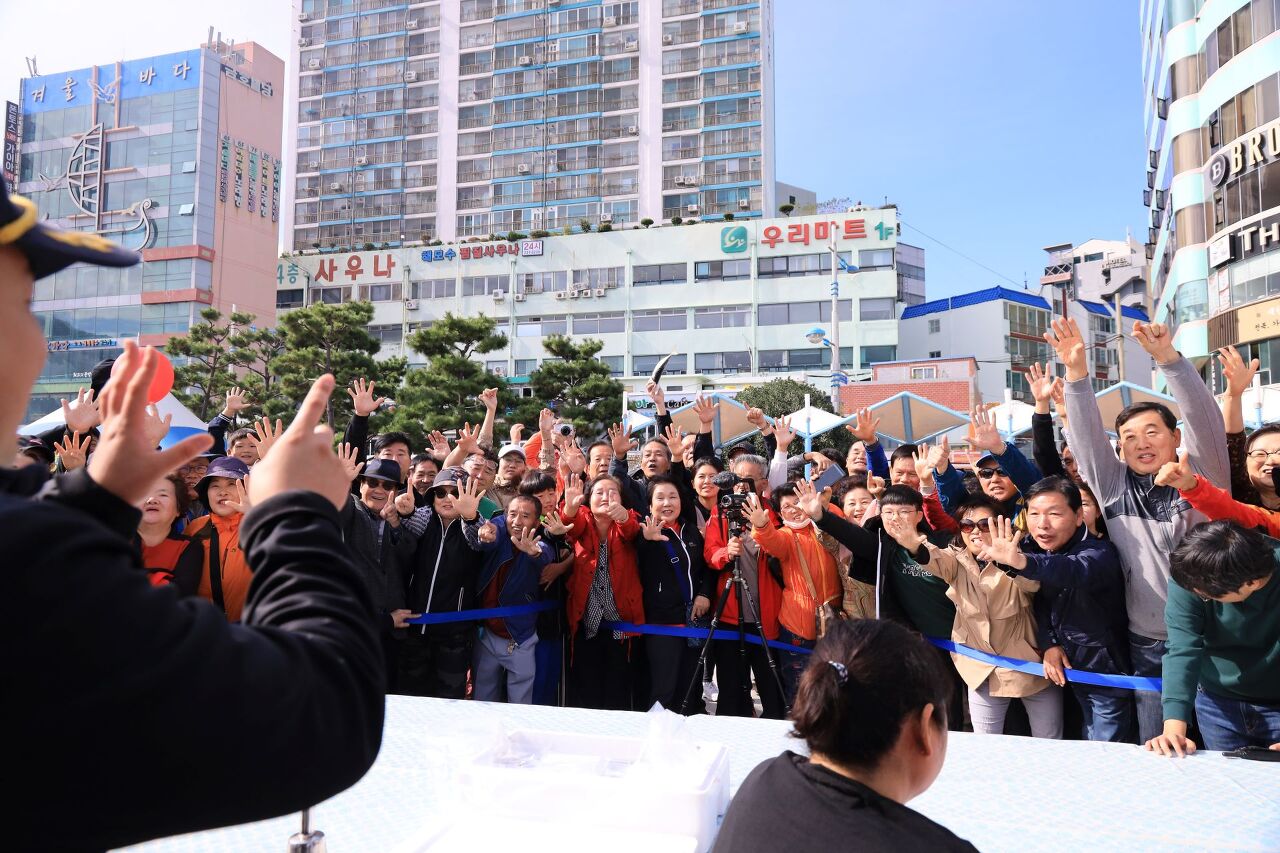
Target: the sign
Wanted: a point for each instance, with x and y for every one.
(1257, 238)
(1220, 251)
(1258, 321)
(818, 232)
(224, 167)
(733, 239)
(1261, 146)
(111, 83)
(83, 343)
(352, 266)
(528, 248)
(259, 86)
(1117, 261)
(12, 130)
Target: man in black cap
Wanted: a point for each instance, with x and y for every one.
(150, 715)
(372, 530)
(33, 451)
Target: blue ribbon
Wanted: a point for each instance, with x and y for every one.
(486, 613)
(1079, 676)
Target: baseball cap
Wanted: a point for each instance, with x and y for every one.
(36, 449)
(49, 249)
(382, 469)
(452, 476)
(511, 448)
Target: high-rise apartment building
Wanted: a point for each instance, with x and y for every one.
(177, 156)
(450, 119)
(1212, 104)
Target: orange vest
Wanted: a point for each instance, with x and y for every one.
(235, 572)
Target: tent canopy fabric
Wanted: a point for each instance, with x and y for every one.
(1261, 406)
(730, 423)
(184, 423)
(1012, 418)
(810, 421)
(909, 418)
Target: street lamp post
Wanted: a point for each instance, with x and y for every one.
(838, 377)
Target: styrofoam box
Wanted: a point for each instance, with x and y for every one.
(621, 785)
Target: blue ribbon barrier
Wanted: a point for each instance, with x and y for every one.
(1097, 679)
(487, 613)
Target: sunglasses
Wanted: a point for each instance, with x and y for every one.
(969, 524)
(445, 492)
(988, 473)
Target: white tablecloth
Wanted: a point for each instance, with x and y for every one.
(1001, 793)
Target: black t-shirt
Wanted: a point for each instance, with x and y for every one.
(789, 804)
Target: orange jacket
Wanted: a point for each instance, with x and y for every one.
(716, 553)
(1218, 505)
(624, 574)
(798, 613)
(236, 574)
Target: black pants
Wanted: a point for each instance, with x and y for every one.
(600, 672)
(672, 663)
(735, 701)
(436, 664)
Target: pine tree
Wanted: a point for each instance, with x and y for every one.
(578, 384)
(200, 382)
(784, 396)
(324, 338)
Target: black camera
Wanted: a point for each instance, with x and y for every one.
(563, 429)
(733, 508)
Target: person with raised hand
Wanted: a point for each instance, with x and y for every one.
(510, 576)
(604, 586)
(677, 591)
(267, 434)
(1003, 472)
(225, 575)
(235, 401)
(168, 557)
(655, 460)
(306, 659)
(866, 454)
(1045, 388)
(382, 549)
(73, 451)
(1253, 457)
(928, 461)
(1080, 609)
(364, 403)
(1143, 518)
(993, 615)
(812, 594)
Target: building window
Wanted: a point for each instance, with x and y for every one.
(289, 298)
(379, 292)
(924, 372)
(722, 362)
(935, 353)
(608, 277)
(660, 274)
(525, 366)
(435, 288)
(599, 324)
(721, 317)
(614, 362)
(935, 326)
(811, 359)
(783, 313)
(880, 308)
(642, 365)
(391, 333)
(479, 285)
(540, 327)
(870, 259)
(722, 270)
(788, 265)
(878, 354)
(662, 320)
(541, 282)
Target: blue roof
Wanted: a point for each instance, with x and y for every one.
(1133, 313)
(1129, 311)
(964, 300)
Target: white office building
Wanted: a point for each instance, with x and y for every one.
(450, 119)
(734, 300)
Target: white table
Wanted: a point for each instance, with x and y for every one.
(1001, 793)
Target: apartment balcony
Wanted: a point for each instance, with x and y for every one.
(682, 124)
(740, 146)
(612, 189)
(529, 170)
(561, 137)
(520, 34)
(565, 81)
(479, 148)
(505, 116)
(686, 153)
(689, 94)
(371, 55)
(731, 30)
(731, 89)
(378, 184)
(574, 109)
(507, 7)
(420, 208)
(620, 162)
(738, 57)
(516, 87)
(690, 7)
(614, 106)
(422, 128)
(689, 36)
(680, 184)
(734, 207)
(620, 76)
(471, 176)
(740, 117)
(740, 176)
(423, 103)
(681, 66)
(474, 203)
(474, 121)
(473, 68)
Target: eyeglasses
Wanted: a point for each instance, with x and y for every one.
(988, 473)
(1262, 455)
(446, 492)
(969, 524)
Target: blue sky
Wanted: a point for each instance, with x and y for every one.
(998, 127)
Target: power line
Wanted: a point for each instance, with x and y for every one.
(963, 255)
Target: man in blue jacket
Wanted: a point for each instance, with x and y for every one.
(512, 571)
(1003, 472)
(1080, 614)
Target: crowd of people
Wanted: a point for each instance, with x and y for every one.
(259, 573)
(1071, 570)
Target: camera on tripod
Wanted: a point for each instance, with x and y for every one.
(733, 504)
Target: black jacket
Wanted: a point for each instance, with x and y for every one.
(381, 558)
(660, 578)
(442, 575)
(1080, 605)
(116, 691)
(788, 803)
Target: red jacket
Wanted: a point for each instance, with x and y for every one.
(1218, 505)
(716, 553)
(624, 574)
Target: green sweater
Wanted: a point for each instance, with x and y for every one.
(1231, 650)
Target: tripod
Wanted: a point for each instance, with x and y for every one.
(738, 584)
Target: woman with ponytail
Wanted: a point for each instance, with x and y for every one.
(872, 709)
